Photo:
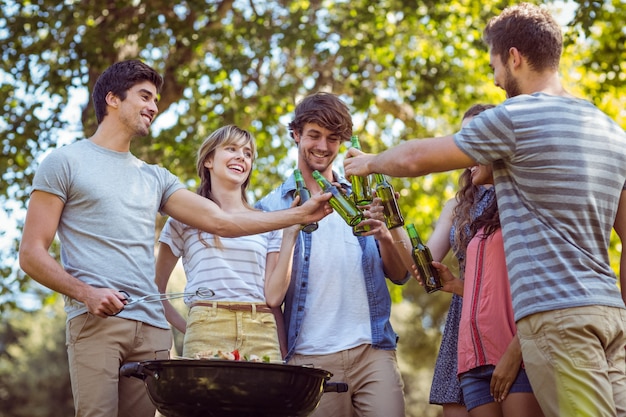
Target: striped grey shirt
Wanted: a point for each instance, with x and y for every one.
(559, 167)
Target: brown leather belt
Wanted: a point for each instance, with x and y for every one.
(260, 308)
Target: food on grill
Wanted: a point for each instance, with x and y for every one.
(230, 356)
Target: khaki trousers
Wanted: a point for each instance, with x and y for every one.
(96, 349)
(375, 386)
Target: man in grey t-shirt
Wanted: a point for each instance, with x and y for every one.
(103, 203)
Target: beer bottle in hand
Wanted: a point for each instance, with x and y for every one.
(424, 261)
(339, 202)
(361, 187)
(384, 191)
(361, 191)
(304, 194)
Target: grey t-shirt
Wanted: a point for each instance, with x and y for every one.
(107, 228)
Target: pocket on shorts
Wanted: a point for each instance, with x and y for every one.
(266, 318)
(75, 328)
(565, 334)
(575, 331)
(198, 316)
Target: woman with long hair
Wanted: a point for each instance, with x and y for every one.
(452, 232)
(248, 274)
(490, 368)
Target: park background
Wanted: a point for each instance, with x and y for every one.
(407, 69)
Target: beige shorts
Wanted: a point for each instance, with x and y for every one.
(213, 328)
(574, 358)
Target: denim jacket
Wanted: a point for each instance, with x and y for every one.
(379, 301)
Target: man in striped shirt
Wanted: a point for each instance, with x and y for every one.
(559, 166)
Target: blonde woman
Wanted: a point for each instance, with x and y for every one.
(249, 274)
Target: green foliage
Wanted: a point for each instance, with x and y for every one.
(600, 24)
(34, 378)
(407, 69)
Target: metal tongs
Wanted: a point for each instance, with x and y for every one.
(201, 292)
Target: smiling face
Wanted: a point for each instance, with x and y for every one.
(138, 109)
(317, 148)
(226, 155)
(231, 162)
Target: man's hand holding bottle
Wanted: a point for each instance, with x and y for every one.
(315, 208)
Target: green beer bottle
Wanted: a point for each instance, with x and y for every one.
(339, 202)
(304, 194)
(384, 191)
(361, 191)
(361, 187)
(423, 260)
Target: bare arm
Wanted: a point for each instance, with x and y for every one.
(620, 229)
(439, 241)
(506, 370)
(412, 158)
(165, 263)
(404, 249)
(278, 268)
(394, 244)
(202, 213)
(393, 264)
(42, 219)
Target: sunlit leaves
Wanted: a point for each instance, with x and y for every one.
(407, 69)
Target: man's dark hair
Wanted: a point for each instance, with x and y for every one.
(326, 110)
(476, 109)
(529, 28)
(118, 79)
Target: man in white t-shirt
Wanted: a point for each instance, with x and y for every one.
(337, 307)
